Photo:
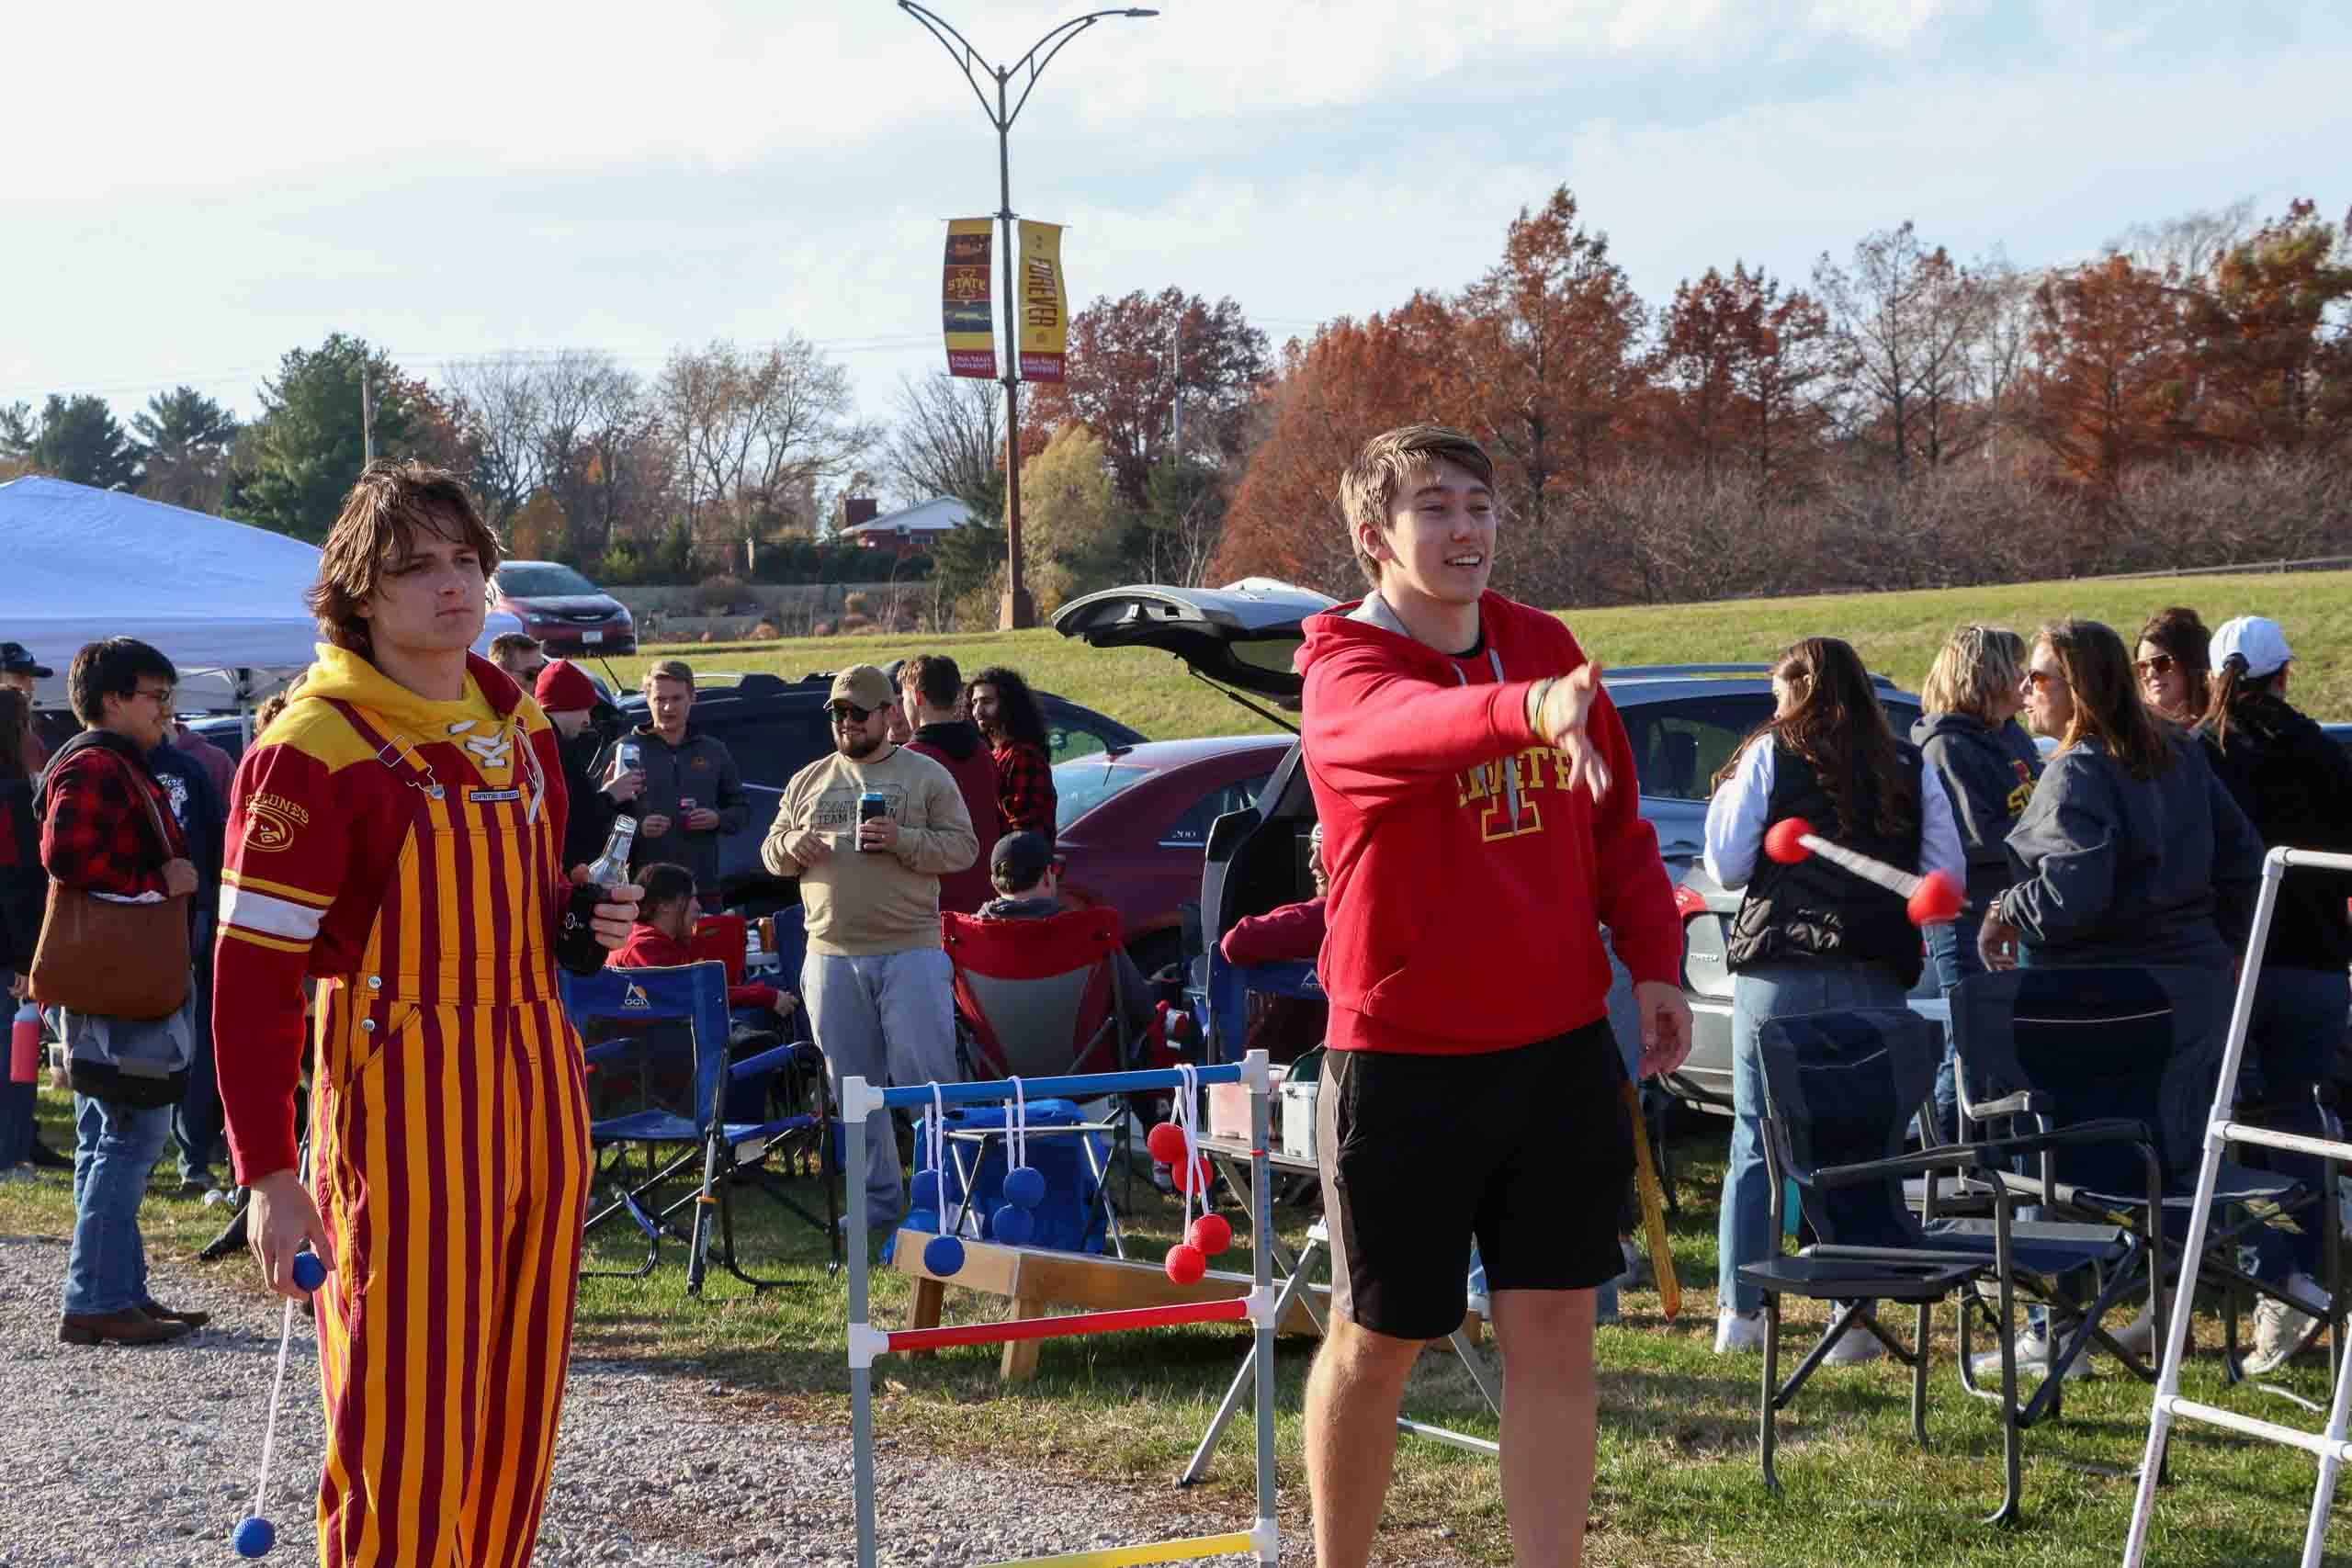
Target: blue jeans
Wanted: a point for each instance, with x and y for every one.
(2299, 1016)
(198, 1120)
(1744, 1231)
(116, 1146)
(1951, 958)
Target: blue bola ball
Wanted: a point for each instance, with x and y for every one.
(926, 1190)
(1014, 1226)
(309, 1275)
(943, 1254)
(921, 1220)
(254, 1537)
(1024, 1185)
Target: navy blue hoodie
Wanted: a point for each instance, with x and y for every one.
(1989, 773)
(2111, 869)
(2295, 785)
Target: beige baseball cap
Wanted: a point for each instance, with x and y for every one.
(862, 685)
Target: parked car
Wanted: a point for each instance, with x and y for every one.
(571, 615)
(1133, 823)
(1683, 721)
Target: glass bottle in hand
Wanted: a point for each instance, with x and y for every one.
(610, 869)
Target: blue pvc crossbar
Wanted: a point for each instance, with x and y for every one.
(1083, 1086)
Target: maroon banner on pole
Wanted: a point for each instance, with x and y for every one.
(967, 302)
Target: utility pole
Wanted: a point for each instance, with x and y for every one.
(366, 417)
(1177, 441)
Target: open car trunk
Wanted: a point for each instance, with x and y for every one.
(1243, 637)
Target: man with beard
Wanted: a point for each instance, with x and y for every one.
(569, 698)
(869, 831)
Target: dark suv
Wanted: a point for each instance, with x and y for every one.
(773, 727)
(1683, 721)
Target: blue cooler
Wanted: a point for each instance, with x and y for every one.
(1071, 1218)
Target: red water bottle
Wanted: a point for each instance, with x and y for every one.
(23, 1046)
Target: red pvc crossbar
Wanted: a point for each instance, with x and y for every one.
(1232, 1310)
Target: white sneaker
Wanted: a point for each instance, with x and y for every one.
(1857, 1347)
(2033, 1360)
(1739, 1332)
(2281, 1332)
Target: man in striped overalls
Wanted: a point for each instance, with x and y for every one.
(395, 836)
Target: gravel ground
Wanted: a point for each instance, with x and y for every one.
(123, 1457)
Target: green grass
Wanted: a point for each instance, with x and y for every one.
(1897, 634)
(1678, 1477)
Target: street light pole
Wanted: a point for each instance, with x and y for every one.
(1018, 609)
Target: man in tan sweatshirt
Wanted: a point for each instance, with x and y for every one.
(878, 984)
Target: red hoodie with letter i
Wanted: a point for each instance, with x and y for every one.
(1469, 882)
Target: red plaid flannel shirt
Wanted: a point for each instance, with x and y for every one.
(98, 836)
(1024, 789)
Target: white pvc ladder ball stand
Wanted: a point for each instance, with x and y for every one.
(2329, 1447)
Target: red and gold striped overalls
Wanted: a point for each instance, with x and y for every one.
(450, 1151)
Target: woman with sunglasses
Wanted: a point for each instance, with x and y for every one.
(1811, 937)
(1970, 735)
(2131, 852)
(2171, 666)
(2292, 781)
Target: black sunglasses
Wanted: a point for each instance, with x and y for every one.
(2161, 664)
(852, 712)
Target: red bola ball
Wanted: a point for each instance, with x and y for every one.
(1189, 1174)
(1782, 840)
(1210, 1235)
(1165, 1143)
(1937, 901)
(1186, 1265)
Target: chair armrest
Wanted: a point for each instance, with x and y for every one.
(774, 1059)
(613, 1051)
(1966, 1158)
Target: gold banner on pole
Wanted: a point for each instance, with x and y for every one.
(1044, 304)
(968, 313)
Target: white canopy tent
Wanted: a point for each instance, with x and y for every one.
(222, 601)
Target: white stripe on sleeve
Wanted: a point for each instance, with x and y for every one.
(271, 917)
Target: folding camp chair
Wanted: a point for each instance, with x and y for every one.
(1034, 999)
(671, 1026)
(2049, 1048)
(1841, 1091)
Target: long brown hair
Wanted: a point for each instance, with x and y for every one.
(377, 529)
(2234, 689)
(16, 724)
(2180, 632)
(2097, 668)
(1839, 727)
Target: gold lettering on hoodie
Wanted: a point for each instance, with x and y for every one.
(1484, 787)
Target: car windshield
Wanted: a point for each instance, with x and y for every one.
(1085, 783)
(548, 581)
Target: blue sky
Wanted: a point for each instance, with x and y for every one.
(190, 198)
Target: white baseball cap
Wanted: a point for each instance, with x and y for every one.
(2257, 640)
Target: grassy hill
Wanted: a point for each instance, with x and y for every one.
(1898, 633)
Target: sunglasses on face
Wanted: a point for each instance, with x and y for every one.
(2035, 680)
(850, 712)
(2161, 664)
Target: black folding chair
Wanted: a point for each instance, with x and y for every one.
(2050, 1048)
(1841, 1091)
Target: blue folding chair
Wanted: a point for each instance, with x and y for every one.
(671, 1026)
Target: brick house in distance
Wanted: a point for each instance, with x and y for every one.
(909, 532)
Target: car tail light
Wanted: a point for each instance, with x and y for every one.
(1687, 903)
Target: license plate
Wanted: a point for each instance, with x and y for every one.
(592, 637)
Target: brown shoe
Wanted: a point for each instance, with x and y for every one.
(128, 1326)
(162, 1313)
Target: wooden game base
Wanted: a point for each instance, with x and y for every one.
(1037, 1278)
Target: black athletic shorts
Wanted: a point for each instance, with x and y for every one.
(1528, 1150)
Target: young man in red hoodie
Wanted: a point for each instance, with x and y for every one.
(931, 698)
(1471, 778)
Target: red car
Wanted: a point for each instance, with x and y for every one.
(1133, 824)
